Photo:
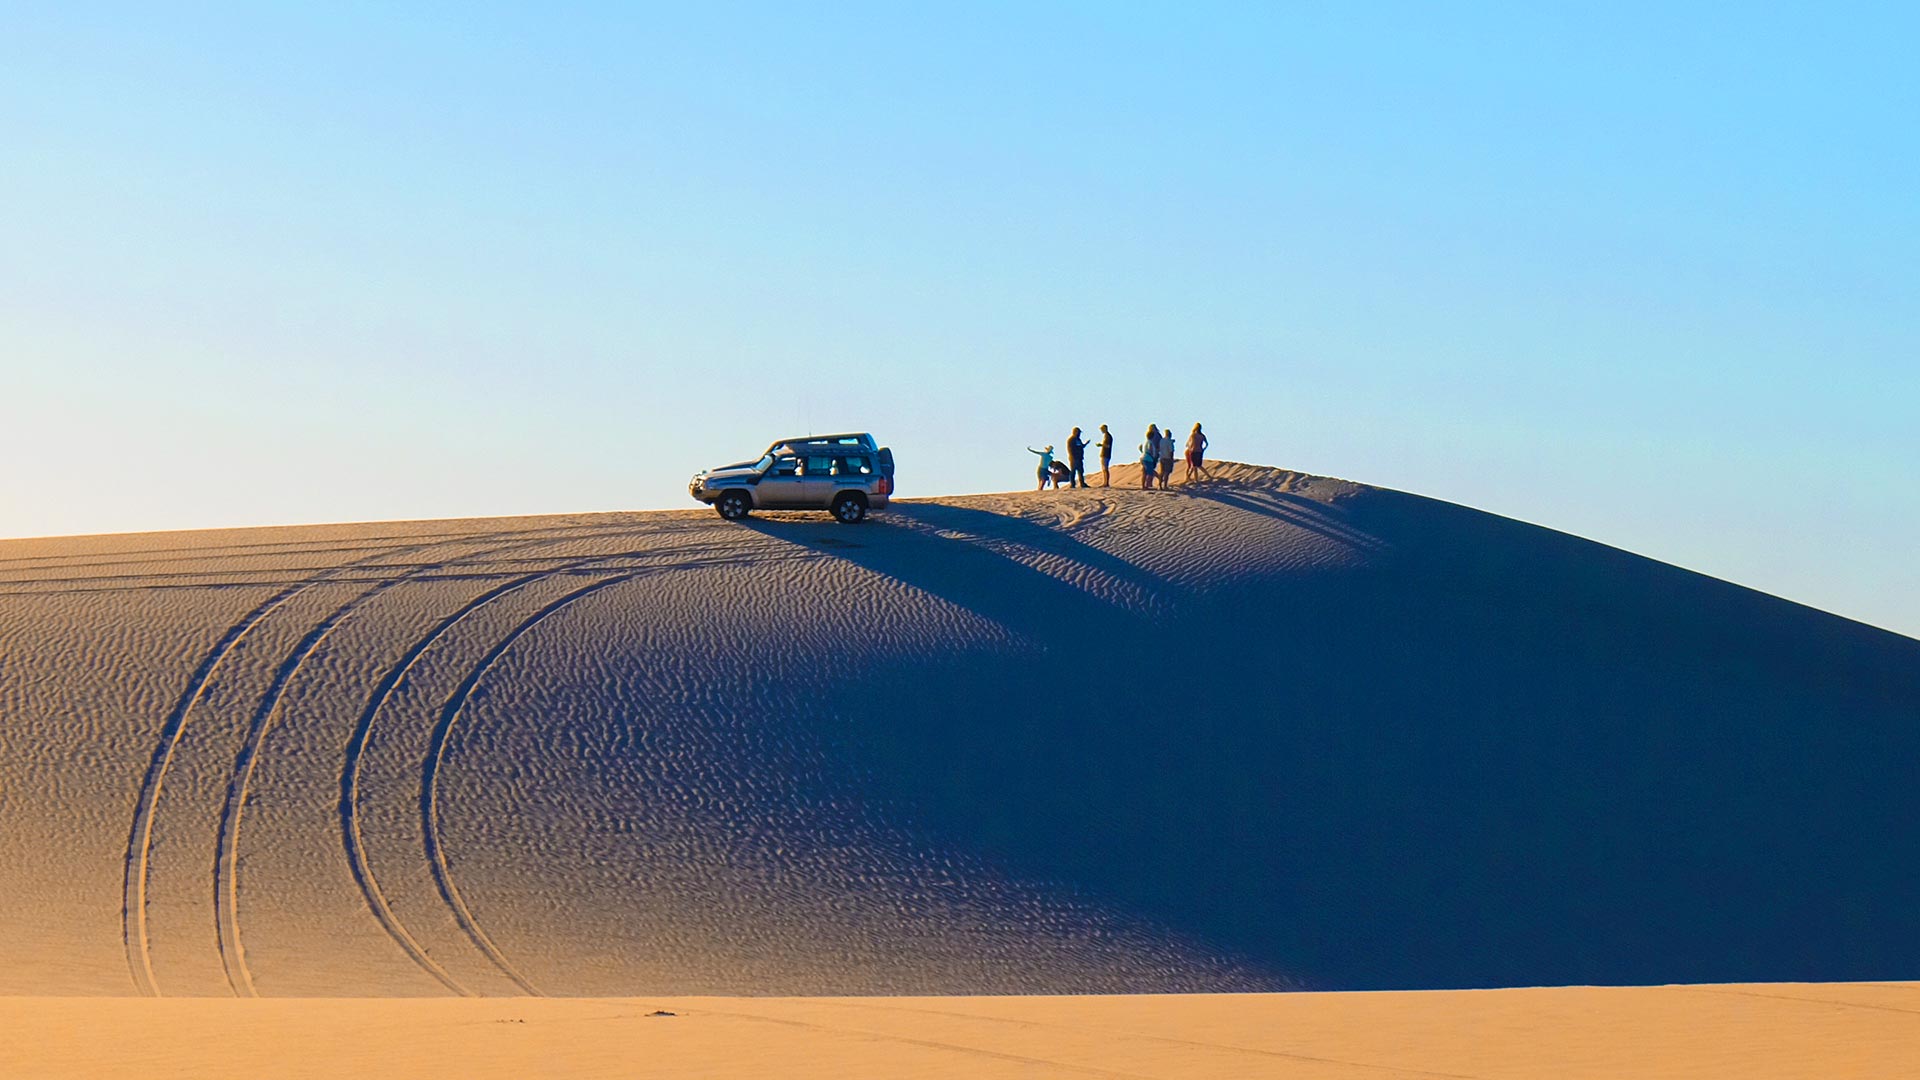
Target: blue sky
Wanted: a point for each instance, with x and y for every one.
(1638, 272)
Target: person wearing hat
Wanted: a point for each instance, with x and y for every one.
(1046, 465)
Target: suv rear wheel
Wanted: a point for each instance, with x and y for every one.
(733, 505)
(849, 508)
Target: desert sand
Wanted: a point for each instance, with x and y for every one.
(1753, 1032)
(1270, 733)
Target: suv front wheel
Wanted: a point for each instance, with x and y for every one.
(849, 508)
(733, 505)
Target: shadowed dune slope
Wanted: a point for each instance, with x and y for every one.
(1267, 732)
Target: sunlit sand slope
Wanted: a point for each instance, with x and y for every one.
(1265, 733)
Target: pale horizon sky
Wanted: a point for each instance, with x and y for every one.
(1644, 274)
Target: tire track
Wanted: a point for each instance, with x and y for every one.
(134, 932)
(239, 786)
(350, 784)
(243, 551)
(133, 899)
(290, 575)
(226, 857)
(436, 756)
(352, 839)
(675, 526)
(226, 841)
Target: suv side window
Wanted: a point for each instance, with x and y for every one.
(786, 466)
(819, 465)
(852, 466)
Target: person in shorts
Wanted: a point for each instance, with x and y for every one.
(1045, 472)
(1149, 456)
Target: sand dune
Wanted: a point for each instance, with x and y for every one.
(1272, 732)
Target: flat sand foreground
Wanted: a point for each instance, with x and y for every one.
(1752, 1032)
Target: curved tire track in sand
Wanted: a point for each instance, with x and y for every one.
(226, 844)
(226, 856)
(436, 755)
(352, 841)
(350, 836)
(133, 908)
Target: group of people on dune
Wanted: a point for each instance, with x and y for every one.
(1156, 459)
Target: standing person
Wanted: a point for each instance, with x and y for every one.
(1166, 457)
(1106, 456)
(1197, 455)
(1076, 460)
(1046, 465)
(1149, 456)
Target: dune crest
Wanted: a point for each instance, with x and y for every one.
(1269, 732)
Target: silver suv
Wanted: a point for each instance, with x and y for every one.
(846, 474)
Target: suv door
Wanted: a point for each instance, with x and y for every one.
(853, 471)
(782, 486)
(816, 482)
